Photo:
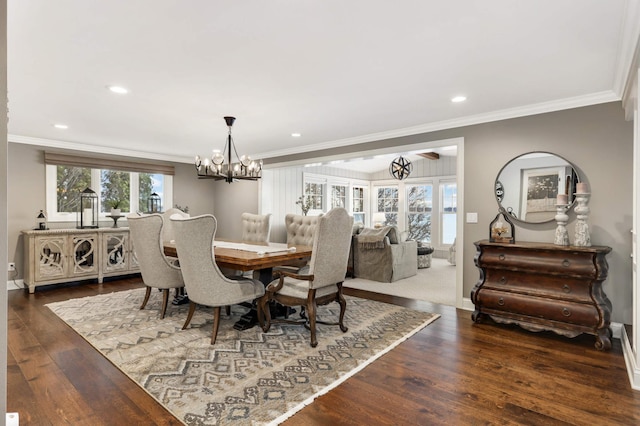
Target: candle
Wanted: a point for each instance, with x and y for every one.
(581, 188)
(562, 199)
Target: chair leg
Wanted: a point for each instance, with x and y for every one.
(165, 302)
(146, 298)
(264, 314)
(227, 310)
(216, 324)
(311, 313)
(192, 309)
(343, 308)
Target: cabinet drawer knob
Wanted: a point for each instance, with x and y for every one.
(501, 256)
(566, 288)
(501, 301)
(502, 280)
(566, 312)
(566, 263)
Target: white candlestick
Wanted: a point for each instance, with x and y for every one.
(581, 188)
(562, 199)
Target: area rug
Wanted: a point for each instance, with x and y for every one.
(247, 377)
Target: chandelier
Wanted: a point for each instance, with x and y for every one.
(400, 168)
(221, 167)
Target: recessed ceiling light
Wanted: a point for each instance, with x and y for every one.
(60, 126)
(118, 89)
(459, 99)
(296, 135)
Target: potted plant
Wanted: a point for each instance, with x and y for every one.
(305, 204)
(115, 207)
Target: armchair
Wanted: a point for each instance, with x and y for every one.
(380, 255)
(322, 284)
(256, 227)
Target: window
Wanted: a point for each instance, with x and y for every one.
(315, 193)
(419, 206)
(132, 189)
(338, 196)
(387, 203)
(357, 204)
(448, 211)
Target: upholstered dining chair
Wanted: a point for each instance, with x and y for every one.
(168, 232)
(256, 227)
(204, 282)
(157, 270)
(323, 283)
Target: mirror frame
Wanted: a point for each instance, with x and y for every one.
(499, 187)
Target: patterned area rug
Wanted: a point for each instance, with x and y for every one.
(247, 377)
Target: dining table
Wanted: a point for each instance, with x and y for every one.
(244, 256)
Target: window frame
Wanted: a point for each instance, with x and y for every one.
(51, 179)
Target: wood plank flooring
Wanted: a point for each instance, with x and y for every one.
(453, 372)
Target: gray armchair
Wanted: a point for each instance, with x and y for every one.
(204, 282)
(380, 255)
(158, 271)
(323, 282)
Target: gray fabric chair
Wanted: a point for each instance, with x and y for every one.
(256, 227)
(323, 283)
(158, 271)
(167, 231)
(204, 282)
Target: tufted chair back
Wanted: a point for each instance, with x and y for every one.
(300, 229)
(256, 227)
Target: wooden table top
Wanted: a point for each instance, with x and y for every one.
(248, 260)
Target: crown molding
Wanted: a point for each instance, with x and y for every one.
(628, 46)
(540, 108)
(505, 114)
(98, 149)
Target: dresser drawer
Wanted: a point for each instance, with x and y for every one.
(557, 310)
(545, 261)
(555, 286)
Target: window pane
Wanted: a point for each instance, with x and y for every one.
(70, 182)
(338, 196)
(149, 183)
(448, 228)
(449, 197)
(114, 186)
(419, 206)
(315, 193)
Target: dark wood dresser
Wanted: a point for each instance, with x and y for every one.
(544, 287)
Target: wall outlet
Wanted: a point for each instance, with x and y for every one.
(11, 267)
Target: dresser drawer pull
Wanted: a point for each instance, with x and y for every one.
(501, 256)
(566, 312)
(566, 288)
(502, 280)
(501, 301)
(566, 263)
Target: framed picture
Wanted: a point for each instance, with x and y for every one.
(539, 190)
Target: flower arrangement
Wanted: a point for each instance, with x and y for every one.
(305, 204)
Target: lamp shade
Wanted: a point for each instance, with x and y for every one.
(379, 219)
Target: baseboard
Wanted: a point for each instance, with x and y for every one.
(15, 285)
(630, 361)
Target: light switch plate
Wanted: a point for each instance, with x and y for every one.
(472, 217)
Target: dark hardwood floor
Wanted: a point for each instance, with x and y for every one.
(453, 372)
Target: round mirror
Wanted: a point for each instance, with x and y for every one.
(527, 186)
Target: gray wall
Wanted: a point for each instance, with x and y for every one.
(596, 139)
(26, 196)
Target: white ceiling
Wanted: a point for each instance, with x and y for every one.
(339, 72)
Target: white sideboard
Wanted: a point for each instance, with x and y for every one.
(64, 255)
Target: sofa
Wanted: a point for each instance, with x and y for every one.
(381, 254)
